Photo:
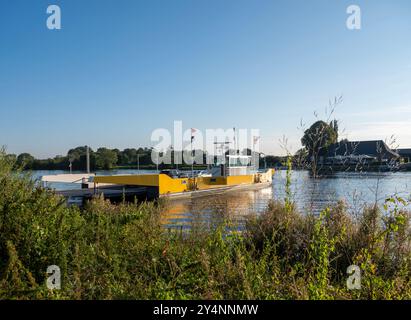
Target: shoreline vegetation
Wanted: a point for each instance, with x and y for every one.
(123, 251)
(114, 159)
(109, 159)
(322, 153)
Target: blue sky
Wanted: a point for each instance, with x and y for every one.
(117, 70)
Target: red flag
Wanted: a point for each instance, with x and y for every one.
(193, 131)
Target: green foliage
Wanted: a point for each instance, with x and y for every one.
(106, 158)
(319, 136)
(25, 160)
(288, 194)
(317, 139)
(319, 252)
(108, 251)
(102, 159)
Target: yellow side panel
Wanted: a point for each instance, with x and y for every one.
(210, 182)
(170, 185)
(235, 180)
(151, 180)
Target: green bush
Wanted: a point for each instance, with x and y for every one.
(108, 251)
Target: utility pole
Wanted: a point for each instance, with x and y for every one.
(192, 160)
(193, 131)
(138, 162)
(88, 158)
(235, 143)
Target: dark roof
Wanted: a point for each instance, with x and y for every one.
(375, 148)
(404, 152)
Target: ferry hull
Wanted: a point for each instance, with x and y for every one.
(166, 185)
(216, 191)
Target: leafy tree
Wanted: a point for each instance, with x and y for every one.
(334, 125)
(319, 136)
(76, 153)
(128, 156)
(271, 161)
(78, 158)
(11, 158)
(105, 158)
(317, 139)
(300, 157)
(25, 160)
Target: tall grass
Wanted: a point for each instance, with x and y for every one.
(122, 251)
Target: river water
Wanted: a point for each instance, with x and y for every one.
(310, 195)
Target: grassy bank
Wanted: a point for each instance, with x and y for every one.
(123, 252)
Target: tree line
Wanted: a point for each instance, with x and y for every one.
(107, 159)
(315, 141)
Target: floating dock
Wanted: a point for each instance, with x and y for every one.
(89, 189)
(234, 175)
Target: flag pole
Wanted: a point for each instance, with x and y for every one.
(235, 142)
(192, 159)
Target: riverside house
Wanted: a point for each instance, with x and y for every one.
(364, 152)
(405, 155)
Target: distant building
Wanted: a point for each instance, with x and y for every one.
(352, 152)
(405, 154)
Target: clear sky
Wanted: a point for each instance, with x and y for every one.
(117, 70)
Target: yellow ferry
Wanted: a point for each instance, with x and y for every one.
(237, 172)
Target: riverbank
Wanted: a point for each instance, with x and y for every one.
(123, 251)
(329, 169)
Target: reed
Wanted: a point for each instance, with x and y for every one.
(108, 251)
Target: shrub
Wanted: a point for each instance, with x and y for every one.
(123, 251)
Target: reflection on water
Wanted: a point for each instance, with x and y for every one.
(211, 210)
(310, 195)
(355, 189)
